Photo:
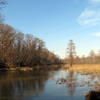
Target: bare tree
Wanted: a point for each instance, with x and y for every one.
(92, 57)
(6, 42)
(71, 52)
(2, 3)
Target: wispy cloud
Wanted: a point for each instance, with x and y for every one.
(97, 34)
(91, 14)
(89, 17)
(87, 13)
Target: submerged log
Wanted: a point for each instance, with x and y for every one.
(93, 95)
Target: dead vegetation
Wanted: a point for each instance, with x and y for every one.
(86, 69)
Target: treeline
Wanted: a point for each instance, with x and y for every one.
(92, 58)
(18, 49)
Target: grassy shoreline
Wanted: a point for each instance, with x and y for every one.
(45, 67)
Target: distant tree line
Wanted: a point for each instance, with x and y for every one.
(92, 58)
(19, 49)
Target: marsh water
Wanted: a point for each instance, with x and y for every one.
(46, 85)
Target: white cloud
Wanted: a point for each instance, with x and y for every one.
(97, 34)
(87, 13)
(89, 17)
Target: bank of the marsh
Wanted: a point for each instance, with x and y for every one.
(43, 67)
(84, 68)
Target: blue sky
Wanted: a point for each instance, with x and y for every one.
(58, 21)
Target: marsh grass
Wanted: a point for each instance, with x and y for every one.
(86, 68)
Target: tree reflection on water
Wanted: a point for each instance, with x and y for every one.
(17, 85)
(71, 83)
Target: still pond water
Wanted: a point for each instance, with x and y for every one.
(45, 85)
